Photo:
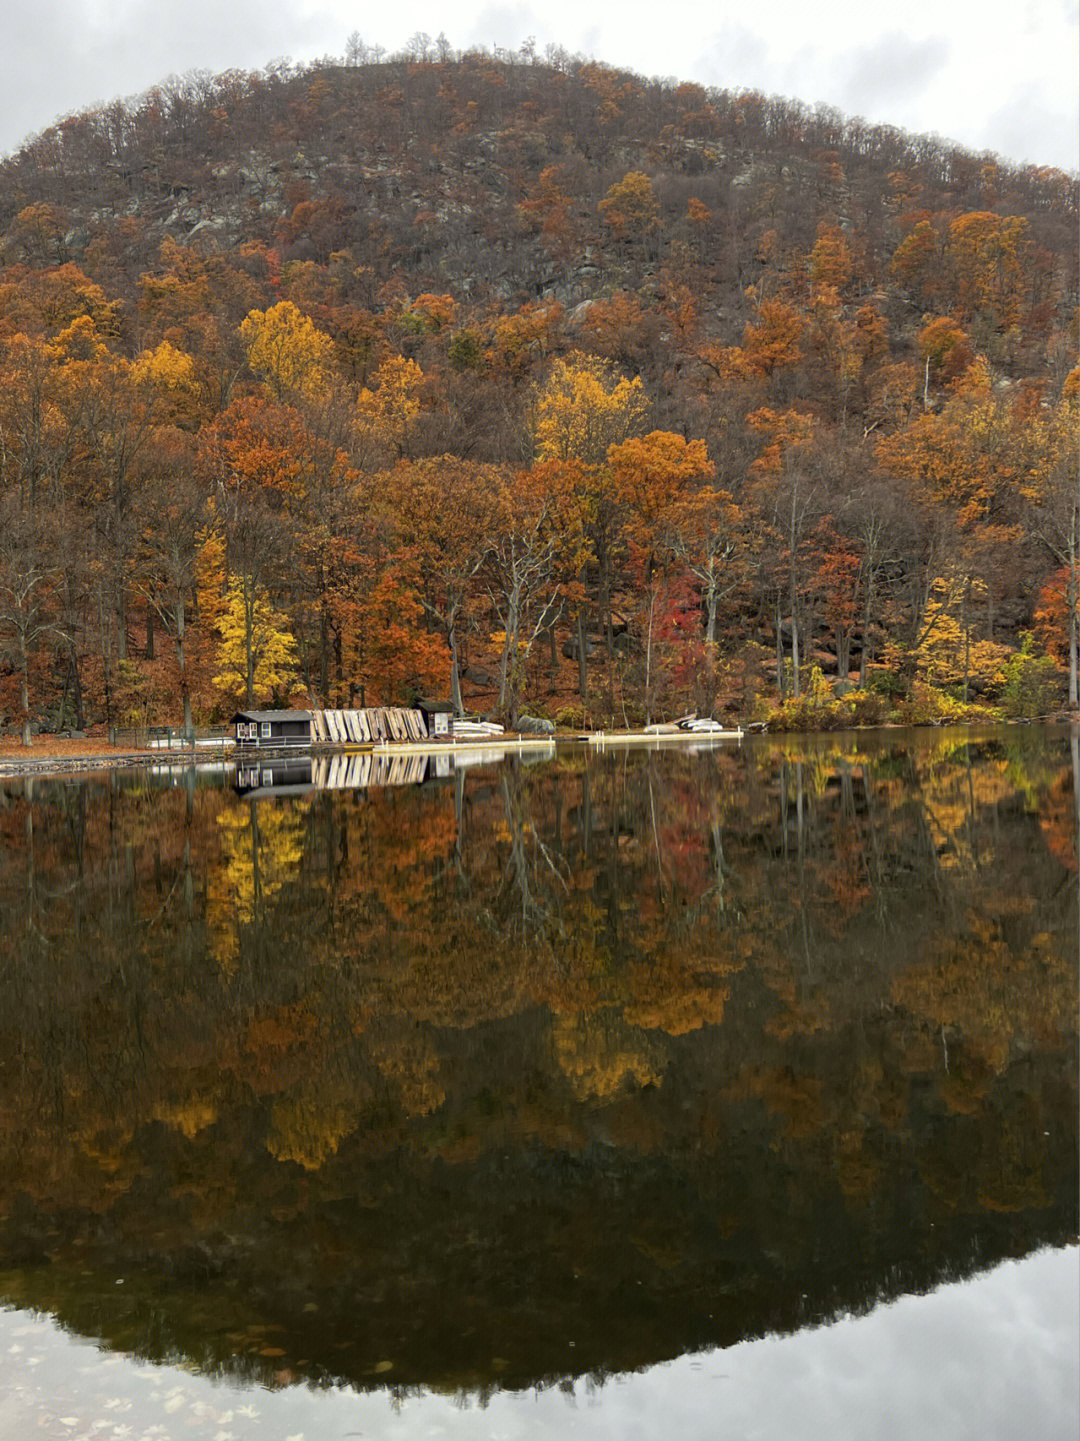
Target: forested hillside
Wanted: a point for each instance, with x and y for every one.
(535, 381)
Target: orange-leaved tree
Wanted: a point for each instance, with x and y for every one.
(444, 510)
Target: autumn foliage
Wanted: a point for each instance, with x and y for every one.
(700, 386)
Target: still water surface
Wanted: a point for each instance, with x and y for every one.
(542, 1099)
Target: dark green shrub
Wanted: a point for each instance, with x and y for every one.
(465, 351)
(1032, 682)
(927, 705)
(886, 683)
(570, 716)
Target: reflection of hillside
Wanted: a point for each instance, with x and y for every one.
(647, 1054)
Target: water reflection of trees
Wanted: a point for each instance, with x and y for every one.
(649, 1051)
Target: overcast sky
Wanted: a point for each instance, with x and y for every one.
(995, 75)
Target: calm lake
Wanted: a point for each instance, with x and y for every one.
(725, 1092)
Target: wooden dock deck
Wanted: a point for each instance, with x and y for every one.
(658, 739)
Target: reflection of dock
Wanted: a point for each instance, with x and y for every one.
(656, 740)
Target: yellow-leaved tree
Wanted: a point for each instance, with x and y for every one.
(166, 367)
(630, 207)
(257, 653)
(287, 350)
(386, 417)
(584, 408)
(945, 652)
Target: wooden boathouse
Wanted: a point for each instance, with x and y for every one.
(379, 725)
(272, 728)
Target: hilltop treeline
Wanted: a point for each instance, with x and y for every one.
(535, 381)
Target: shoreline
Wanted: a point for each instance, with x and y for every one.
(76, 761)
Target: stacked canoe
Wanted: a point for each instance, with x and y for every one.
(368, 726)
(476, 730)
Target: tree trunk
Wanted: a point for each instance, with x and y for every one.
(795, 686)
(648, 661)
(76, 689)
(324, 652)
(1074, 607)
(105, 658)
(61, 710)
(609, 637)
(24, 689)
(1074, 746)
(121, 623)
(181, 661)
(1074, 640)
(582, 660)
(455, 680)
(249, 641)
(710, 606)
(507, 665)
(843, 655)
(780, 679)
(864, 656)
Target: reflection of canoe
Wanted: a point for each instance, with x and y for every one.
(369, 769)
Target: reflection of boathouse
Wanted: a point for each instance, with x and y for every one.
(365, 770)
(287, 776)
(272, 728)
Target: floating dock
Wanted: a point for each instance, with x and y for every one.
(602, 740)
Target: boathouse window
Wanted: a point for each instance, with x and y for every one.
(265, 729)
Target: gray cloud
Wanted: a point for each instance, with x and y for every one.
(1016, 95)
(1027, 127)
(53, 53)
(890, 74)
(737, 59)
(506, 25)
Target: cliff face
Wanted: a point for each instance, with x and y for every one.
(489, 178)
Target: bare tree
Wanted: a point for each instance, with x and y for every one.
(27, 592)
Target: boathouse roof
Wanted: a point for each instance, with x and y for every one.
(271, 715)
